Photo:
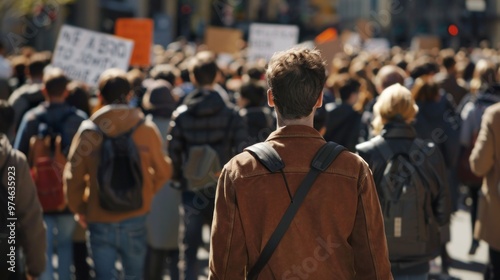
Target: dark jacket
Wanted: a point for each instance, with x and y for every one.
(343, 125)
(339, 226)
(30, 228)
(204, 118)
(22, 100)
(400, 137)
(450, 84)
(55, 114)
(438, 122)
(260, 122)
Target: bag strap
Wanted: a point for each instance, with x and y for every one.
(383, 147)
(265, 153)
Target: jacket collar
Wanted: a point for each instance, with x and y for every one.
(294, 131)
(398, 129)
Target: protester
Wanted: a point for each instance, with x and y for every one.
(343, 123)
(447, 80)
(164, 218)
(29, 95)
(30, 229)
(52, 116)
(204, 119)
(5, 66)
(410, 176)
(485, 163)
(116, 228)
(250, 201)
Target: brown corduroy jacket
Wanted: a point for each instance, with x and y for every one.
(338, 232)
(80, 174)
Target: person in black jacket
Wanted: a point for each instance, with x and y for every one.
(204, 118)
(394, 111)
(343, 122)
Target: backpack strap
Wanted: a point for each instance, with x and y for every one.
(267, 156)
(265, 153)
(383, 147)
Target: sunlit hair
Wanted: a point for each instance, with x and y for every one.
(425, 91)
(394, 103)
(484, 76)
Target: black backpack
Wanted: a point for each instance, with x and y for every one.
(405, 198)
(119, 173)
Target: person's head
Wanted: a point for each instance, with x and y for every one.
(251, 94)
(395, 103)
(484, 76)
(36, 65)
(349, 90)
(204, 69)
(114, 87)
(78, 97)
(425, 90)
(255, 72)
(6, 116)
(55, 84)
(388, 76)
(165, 72)
(449, 63)
(296, 79)
(159, 100)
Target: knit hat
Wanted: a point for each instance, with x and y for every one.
(158, 99)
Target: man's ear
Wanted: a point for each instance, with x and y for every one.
(270, 98)
(45, 93)
(319, 101)
(65, 94)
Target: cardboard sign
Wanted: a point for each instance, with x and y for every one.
(84, 55)
(329, 50)
(223, 40)
(266, 39)
(141, 32)
(425, 43)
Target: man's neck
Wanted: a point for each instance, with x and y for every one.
(307, 121)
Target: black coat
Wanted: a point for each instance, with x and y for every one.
(343, 125)
(260, 122)
(205, 118)
(400, 137)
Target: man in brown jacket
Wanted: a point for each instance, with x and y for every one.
(485, 162)
(338, 232)
(114, 233)
(16, 178)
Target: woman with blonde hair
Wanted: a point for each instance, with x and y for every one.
(422, 193)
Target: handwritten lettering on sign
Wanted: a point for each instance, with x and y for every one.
(84, 55)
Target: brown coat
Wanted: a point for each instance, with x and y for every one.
(30, 227)
(80, 174)
(338, 232)
(485, 161)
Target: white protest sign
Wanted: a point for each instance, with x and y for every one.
(377, 46)
(266, 39)
(84, 55)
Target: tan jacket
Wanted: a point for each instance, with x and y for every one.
(338, 233)
(80, 174)
(30, 227)
(485, 161)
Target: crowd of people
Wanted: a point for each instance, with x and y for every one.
(374, 105)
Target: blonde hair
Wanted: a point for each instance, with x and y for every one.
(393, 103)
(484, 76)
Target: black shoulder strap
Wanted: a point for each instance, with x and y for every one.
(267, 156)
(384, 148)
(271, 160)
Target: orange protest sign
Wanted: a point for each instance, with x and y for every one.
(329, 34)
(223, 40)
(141, 32)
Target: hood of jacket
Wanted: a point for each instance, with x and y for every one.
(114, 120)
(203, 103)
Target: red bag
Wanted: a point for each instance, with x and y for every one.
(47, 169)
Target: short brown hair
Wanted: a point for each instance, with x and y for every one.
(204, 68)
(55, 82)
(424, 91)
(296, 78)
(114, 86)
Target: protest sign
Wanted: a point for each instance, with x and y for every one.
(425, 43)
(377, 46)
(223, 40)
(140, 30)
(266, 39)
(84, 55)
